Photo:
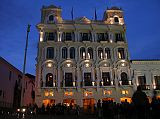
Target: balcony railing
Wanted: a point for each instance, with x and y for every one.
(145, 87)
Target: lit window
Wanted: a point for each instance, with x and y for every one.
(107, 92)
(100, 53)
(51, 94)
(46, 93)
(88, 93)
(90, 53)
(49, 80)
(121, 53)
(124, 92)
(82, 53)
(68, 93)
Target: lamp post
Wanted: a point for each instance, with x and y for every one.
(24, 64)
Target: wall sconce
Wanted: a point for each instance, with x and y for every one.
(93, 83)
(74, 83)
(102, 83)
(49, 65)
(130, 82)
(120, 82)
(68, 65)
(87, 64)
(111, 82)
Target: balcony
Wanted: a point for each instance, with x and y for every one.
(128, 82)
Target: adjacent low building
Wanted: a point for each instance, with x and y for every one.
(12, 85)
(80, 61)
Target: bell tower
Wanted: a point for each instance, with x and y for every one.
(113, 15)
(51, 14)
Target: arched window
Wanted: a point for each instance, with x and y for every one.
(124, 78)
(100, 53)
(50, 53)
(90, 53)
(49, 80)
(82, 53)
(116, 19)
(51, 18)
(121, 54)
(107, 53)
(64, 53)
(72, 53)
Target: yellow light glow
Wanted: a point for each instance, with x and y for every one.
(107, 92)
(88, 93)
(46, 93)
(123, 64)
(111, 41)
(49, 65)
(119, 55)
(51, 94)
(93, 83)
(68, 93)
(124, 92)
(41, 36)
(74, 83)
(126, 98)
(87, 64)
(68, 65)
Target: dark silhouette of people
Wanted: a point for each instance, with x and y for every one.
(140, 100)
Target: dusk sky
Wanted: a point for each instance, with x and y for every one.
(142, 18)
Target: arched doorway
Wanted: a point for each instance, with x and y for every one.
(48, 101)
(69, 102)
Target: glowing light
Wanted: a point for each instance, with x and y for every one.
(123, 64)
(111, 41)
(93, 83)
(49, 65)
(111, 82)
(88, 93)
(124, 92)
(101, 55)
(68, 93)
(46, 93)
(107, 92)
(41, 36)
(130, 82)
(102, 83)
(51, 94)
(74, 83)
(87, 64)
(68, 65)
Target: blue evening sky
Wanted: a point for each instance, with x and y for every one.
(142, 18)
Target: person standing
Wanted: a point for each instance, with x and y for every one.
(140, 100)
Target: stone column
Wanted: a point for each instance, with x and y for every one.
(58, 77)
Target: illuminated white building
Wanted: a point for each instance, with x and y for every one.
(81, 61)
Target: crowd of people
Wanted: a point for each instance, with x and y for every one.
(139, 108)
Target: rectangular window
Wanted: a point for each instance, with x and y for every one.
(102, 37)
(119, 37)
(85, 36)
(142, 81)
(87, 79)
(157, 82)
(68, 80)
(106, 78)
(50, 36)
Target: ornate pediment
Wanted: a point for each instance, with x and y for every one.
(82, 20)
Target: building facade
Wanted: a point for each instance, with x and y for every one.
(80, 61)
(12, 85)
